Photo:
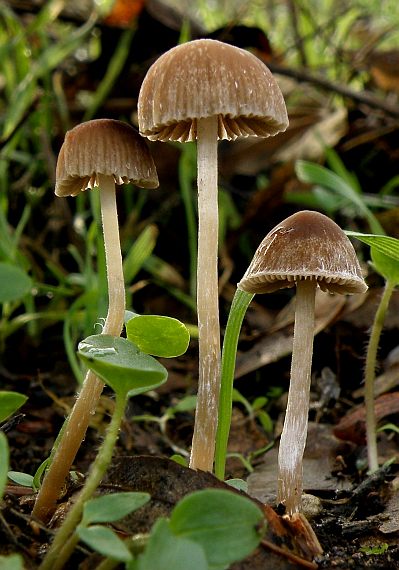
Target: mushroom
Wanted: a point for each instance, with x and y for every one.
(206, 90)
(101, 152)
(306, 250)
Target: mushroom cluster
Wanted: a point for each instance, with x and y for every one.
(307, 250)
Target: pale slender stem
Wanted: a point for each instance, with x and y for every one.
(293, 437)
(371, 363)
(203, 444)
(75, 427)
(238, 309)
(62, 546)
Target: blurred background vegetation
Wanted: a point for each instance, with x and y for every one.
(63, 62)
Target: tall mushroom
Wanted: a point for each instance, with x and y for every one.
(206, 90)
(306, 250)
(101, 152)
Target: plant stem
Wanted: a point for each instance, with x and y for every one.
(85, 405)
(293, 437)
(371, 363)
(60, 549)
(238, 309)
(203, 444)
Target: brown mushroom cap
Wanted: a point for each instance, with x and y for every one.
(103, 146)
(204, 78)
(306, 245)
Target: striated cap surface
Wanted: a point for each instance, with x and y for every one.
(306, 245)
(204, 78)
(103, 146)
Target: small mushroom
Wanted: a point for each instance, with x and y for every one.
(206, 90)
(98, 153)
(306, 250)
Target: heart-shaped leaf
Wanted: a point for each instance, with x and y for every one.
(121, 365)
(158, 335)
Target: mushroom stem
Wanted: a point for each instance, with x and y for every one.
(293, 437)
(75, 427)
(113, 256)
(206, 416)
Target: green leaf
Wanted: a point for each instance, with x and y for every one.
(384, 244)
(105, 541)
(14, 283)
(384, 253)
(259, 403)
(121, 365)
(165, 551)
(388, 427)
(186, 404)
(4, 461)
(265, 420)
(139, 252)
(37, 478)
(23, 479)
(11, 562)
(113, 507)
(49, 59)
(385, 265)
(238, 484)
(222, 522)
(375, 550)
(10, 402)
(316, 174)
(158, 335)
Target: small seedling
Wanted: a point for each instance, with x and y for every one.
(384, 252)
(108, 509)
(129, 372)
(207, 530)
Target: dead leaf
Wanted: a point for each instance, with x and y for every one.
(352, 427)
(319, 465)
